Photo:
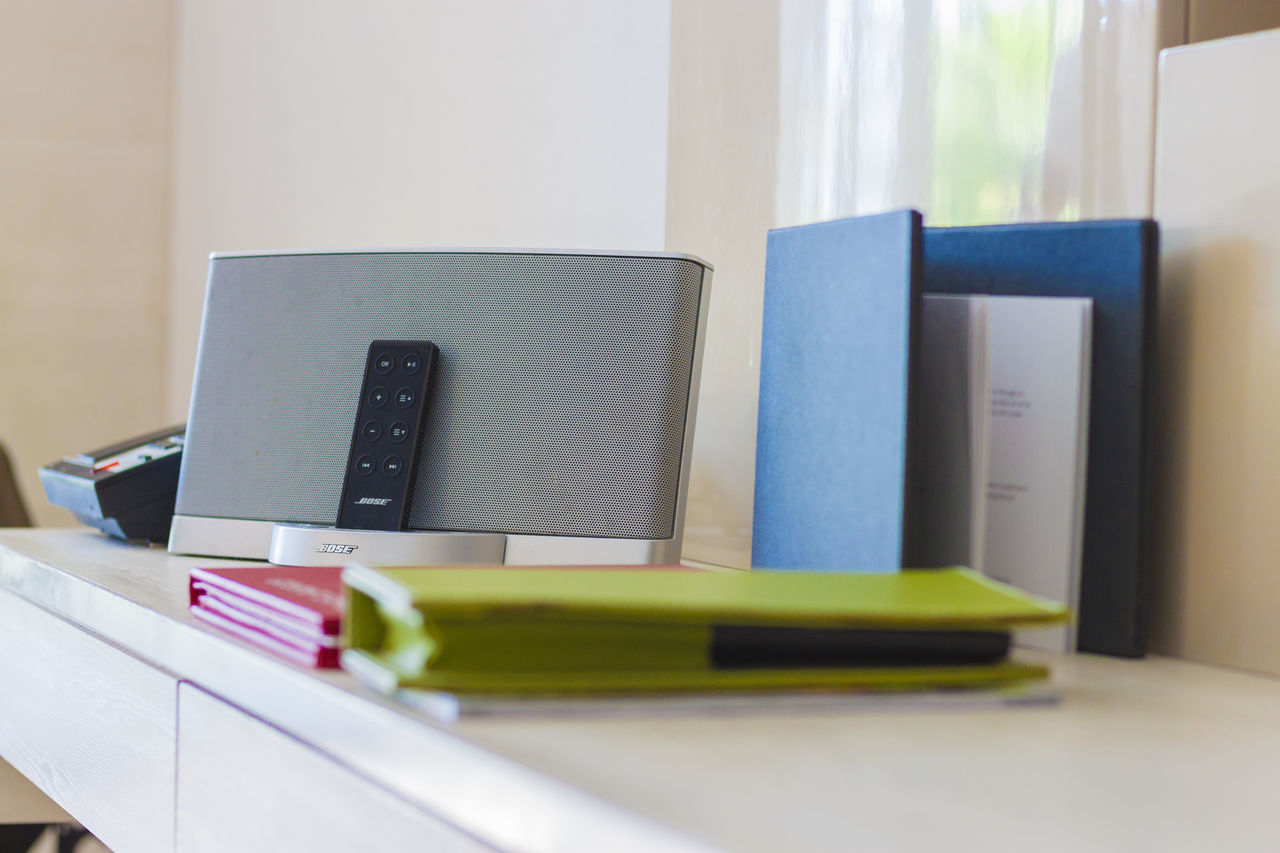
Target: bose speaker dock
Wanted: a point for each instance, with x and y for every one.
(529, 407)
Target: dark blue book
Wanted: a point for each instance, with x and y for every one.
(838, 364)
(1115, 264)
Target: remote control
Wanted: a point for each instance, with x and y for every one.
(387, 436)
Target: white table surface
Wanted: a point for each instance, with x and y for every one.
(1138, 755)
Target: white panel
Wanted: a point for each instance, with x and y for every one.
(1217, 467)
(92, 726)
(245, 786)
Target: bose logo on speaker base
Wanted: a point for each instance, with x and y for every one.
(336, 549)
(373, 502)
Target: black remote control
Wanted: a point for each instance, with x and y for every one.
(387, 436)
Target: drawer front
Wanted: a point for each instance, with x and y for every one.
(94, 727)
(245, 786)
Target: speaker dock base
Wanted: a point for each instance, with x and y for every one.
(321, 545)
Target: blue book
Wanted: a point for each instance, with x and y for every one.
(838, 364)
(1114, 263)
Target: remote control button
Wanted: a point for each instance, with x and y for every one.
(399, 431)
(372, 430)
(377, 396)
(392, 465)
(366, 465)
(404, 398)
(384, 362)
(411, 363)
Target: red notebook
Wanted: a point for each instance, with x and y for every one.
(293, 611)
(296, 649)
(265, 618)
(310, 596)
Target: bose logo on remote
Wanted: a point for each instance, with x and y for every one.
(373, 501)
(336, 549)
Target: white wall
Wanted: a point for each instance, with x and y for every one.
(398, 123)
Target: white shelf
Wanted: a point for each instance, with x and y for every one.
(1154, 754)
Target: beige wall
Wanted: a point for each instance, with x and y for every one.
(84, 166)
(1214, 19)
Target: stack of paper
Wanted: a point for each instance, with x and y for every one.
(572, 632)
(293, 611)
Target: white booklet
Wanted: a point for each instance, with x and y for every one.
(1040, 370)
(1004, 441)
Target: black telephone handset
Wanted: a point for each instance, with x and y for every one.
(126, 489)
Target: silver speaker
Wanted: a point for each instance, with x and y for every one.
(562, 417)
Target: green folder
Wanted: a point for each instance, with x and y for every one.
(613, 630)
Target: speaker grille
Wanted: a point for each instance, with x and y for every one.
(560, 401)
